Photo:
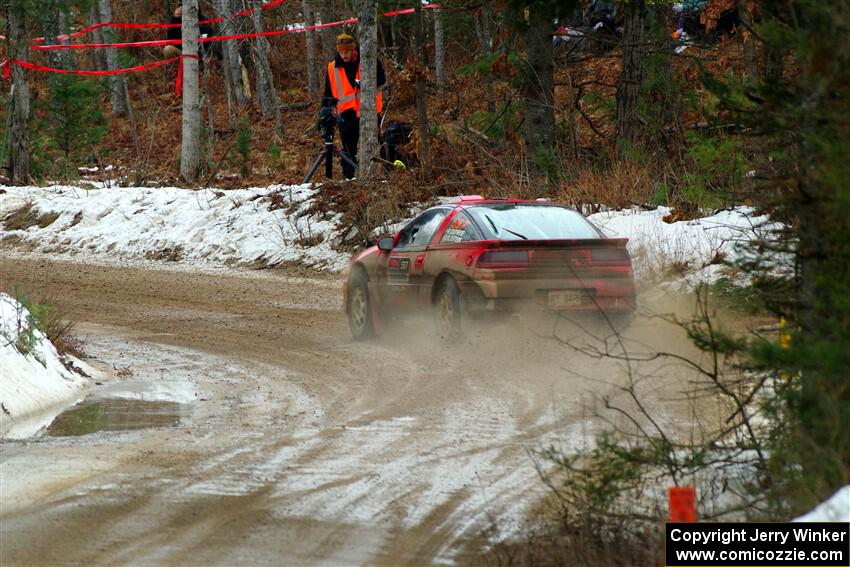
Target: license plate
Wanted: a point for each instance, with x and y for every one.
(567, 298)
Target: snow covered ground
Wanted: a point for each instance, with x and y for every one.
(836, 509)
(259, 226)
(697, 249)
(270, 225)
(34, 382)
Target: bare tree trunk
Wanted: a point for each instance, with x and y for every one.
(328, 14)
(56, 59)
(97, 36)
(539, 84)
(51, 26)
(439, 49)
(774, 64)
(243, 47)
(269, 102)
(17, 48)
(210, 122)
(750, 55)
(423, 128)
(485, 40)
(117, 91)
(190, 154)
(230, 56)
(399, 41)
(369, 90)
(312, 53)
(631, 76)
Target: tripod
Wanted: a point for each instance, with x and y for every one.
(328, 120)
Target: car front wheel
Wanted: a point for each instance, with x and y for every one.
(359, 308)
(447, 310)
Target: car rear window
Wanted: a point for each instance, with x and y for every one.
(512, 221)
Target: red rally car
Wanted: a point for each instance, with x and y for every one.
(483, 255)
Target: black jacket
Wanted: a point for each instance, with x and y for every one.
(177, 33)
(351, 73)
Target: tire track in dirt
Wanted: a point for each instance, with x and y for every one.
(307, 446)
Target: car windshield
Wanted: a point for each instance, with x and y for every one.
(512, 221)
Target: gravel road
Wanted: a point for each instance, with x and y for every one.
(301, 447)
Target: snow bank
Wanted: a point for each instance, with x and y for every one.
(836, 509)
(696, 247)
(34, 384)
(251, 226)
(270, 225)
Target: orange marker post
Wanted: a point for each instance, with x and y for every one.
(683, 503)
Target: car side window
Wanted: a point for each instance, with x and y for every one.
(419, 232)
(461, 229)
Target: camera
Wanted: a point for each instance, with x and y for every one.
(327, 116)
(328, 119)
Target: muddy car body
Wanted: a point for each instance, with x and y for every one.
(479, 256)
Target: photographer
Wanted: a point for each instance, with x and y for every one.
(342, 88)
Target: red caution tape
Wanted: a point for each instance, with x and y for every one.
(151, 43)
(44, 69)
(266, 6)
(6, 65)
(410, 10)
(277, 32)
(88, 30)
(162, 42)
(178, 87)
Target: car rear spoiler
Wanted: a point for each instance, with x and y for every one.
(563, 243)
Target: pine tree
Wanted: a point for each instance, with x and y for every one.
(800, 138)
(535, 21)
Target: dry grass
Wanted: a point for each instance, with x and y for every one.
(26, 217)
(166, 254)
(624, 185)
(563, 539)
(59, 329)
(60, 332)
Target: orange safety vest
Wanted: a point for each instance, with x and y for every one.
(346, 95)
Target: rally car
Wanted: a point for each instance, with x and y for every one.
(489, 255)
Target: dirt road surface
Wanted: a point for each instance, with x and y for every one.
(300, 447)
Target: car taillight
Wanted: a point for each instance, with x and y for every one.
(609, 256)
(504, 259)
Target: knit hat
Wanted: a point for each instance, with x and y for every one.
(345, 42)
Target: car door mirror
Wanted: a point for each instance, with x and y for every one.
(385, 244)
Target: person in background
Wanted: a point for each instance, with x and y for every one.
(342, 89)
(205, 30)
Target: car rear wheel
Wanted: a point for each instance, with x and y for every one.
(359, 308)
(447, 310)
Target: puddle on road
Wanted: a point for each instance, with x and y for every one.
(117, 414)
